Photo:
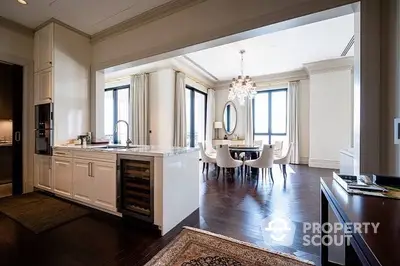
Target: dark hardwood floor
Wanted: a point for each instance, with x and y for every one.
(228, 207)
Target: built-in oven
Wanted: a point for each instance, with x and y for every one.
(44, 129)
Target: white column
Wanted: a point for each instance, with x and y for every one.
(356, 90)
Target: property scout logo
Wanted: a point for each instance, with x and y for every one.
(281, 231)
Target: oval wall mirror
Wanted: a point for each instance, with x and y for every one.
(230, 118)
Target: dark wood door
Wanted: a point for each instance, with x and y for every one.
(17, 112)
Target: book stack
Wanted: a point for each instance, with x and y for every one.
(361, 185)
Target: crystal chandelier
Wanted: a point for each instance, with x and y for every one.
(242, 87)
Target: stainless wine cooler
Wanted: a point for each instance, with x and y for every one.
(136, 186)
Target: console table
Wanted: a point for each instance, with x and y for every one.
(365, 249)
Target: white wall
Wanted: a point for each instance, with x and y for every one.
(161, 105)
(72, 56)
(14, 43)
(331, 111)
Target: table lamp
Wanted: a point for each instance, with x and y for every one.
(217, 126)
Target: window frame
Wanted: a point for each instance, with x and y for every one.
(115, 107)
(193, 90)
(269, 133)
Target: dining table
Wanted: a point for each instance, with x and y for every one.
(251, 151)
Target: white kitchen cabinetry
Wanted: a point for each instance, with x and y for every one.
(62, 59)
(82, 180)
(62, 171)
(43, 172)
(87, 177)
(44, 86)
(43, 51)
(105, 185)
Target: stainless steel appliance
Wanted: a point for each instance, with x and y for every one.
(135, 184)
(44, 129)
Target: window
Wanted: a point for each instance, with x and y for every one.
(116, 107)
(270, 115)
(195, 116)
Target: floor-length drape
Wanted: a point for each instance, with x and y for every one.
(139, 114)
(249, 137)
(180, 111)
(293, 107)
(210, 118)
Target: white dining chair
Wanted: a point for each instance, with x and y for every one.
(285, 160)
(243, 157)
(278, 148)
(210, 150)
(258, 142)
(225, 160)
(206, 158)
(265, 161)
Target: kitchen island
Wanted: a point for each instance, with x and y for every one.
(159, 185)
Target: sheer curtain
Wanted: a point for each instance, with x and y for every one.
(210, 118)
(293, 106)
(249, 137)
(180, 110)
(139, 98)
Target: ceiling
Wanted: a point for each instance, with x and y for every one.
(89, 16)
(280, 51)
(272, 53)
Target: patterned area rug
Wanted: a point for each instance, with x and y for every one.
(195, 247)
(39, 212)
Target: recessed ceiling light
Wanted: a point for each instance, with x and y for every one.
(22, 2)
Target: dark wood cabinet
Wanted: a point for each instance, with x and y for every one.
(6, 91)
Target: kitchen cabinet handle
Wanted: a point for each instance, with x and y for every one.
(91, 170)
(88, 169)
(50, 166)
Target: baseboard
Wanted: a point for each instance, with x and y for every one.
(321, 163)
(303, 160)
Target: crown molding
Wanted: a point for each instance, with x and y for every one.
(298, 74)
(186, 60)
(342, 63)
(16, 27)
(54, 20)
(177, 64)
(151, 15)
(192, 71)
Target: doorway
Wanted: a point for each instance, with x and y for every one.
(11, 104)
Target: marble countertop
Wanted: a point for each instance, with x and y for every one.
(5, 144)
(144, 150)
